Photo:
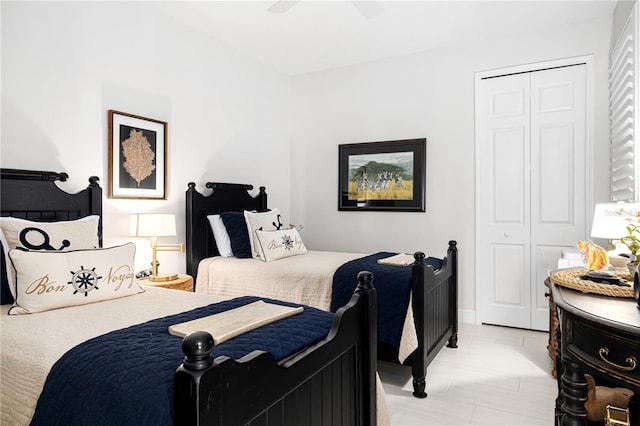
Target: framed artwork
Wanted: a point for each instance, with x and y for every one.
(382, 176)
(137, 157)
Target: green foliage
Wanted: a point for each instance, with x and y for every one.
(632, 241)
(372, 168)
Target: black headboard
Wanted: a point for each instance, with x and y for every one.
(33, 195)
(225, 197)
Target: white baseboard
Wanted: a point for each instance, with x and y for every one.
(467, 316)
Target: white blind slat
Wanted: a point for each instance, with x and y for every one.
(623, 111)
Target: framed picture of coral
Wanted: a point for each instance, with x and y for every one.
(137, 157)
(382, 176)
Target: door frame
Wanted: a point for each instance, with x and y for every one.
(588, 60)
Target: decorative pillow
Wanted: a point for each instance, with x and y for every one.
(64, 235)
(223, 242)
(6, 296)
(236, 227)
(265, 221)
(57, 279)
(276, 245)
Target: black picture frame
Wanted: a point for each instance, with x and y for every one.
(382, 176)
(137, 157)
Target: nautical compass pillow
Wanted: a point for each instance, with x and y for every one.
(64, 235)
(57, 279)
(275, 245)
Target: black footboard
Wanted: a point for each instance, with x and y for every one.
(332, 382)
(435, 312)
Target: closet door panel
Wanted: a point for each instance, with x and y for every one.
(504, 199)
(559, 177)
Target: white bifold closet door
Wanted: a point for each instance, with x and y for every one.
(532, 187)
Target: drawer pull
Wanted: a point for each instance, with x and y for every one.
(631, 360)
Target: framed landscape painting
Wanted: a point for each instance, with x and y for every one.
(137, 157)
(382, 176)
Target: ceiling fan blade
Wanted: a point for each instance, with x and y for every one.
(370, 9)
(282, 6)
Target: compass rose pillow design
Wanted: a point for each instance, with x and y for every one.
(275, 245)
(57, 279)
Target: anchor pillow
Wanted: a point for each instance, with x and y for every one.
(57, 279)
(63, 235)
(265, 221)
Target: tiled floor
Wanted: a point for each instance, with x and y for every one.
(496, 376)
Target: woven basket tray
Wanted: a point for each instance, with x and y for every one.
(571, 278)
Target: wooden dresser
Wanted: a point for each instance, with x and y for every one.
(599, 335)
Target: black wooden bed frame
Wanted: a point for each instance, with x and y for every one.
(434, 293)
(331, 382)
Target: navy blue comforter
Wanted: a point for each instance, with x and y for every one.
(126, 377)
(393, 287)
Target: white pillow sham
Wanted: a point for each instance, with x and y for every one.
(264, 221)
(56, 279)
(276, 245)
(220, 234)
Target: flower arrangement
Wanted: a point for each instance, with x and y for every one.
(632, 238)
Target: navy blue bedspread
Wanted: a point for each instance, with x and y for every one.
(392, 284)
(126, 377)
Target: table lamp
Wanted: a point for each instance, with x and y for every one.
(608, 222)
(154, 225)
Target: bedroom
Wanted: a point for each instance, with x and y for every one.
(65, 64)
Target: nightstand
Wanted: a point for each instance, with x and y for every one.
(599, 335)
(183, 282)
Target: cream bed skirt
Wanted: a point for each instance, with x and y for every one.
(306, 279)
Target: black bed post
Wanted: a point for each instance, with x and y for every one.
(452, 256)
(190, 382)
(195, 219)
(95, 203)
(370, 359)
(419, 361)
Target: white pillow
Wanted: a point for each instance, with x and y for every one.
(223, 242)
(57, 279)
(265, 221)
(276, 245)
(64, 235)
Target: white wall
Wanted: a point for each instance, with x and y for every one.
(65, 64)
(620, 16)
(430, 95)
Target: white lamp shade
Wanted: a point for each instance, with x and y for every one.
(610, 220)
(152, 225)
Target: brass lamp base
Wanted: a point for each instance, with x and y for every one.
(162, 278)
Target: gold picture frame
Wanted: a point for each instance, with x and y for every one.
(137, 157)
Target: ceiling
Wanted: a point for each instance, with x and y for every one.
(317, 35)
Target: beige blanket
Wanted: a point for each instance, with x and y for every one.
(306, 279)
(31, 344)
(234, 322)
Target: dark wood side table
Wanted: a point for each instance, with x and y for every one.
(552, 346)
(599, 335)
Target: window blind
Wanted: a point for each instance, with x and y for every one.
(623, 109)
